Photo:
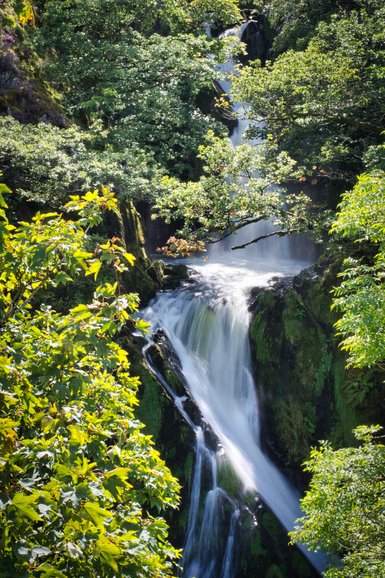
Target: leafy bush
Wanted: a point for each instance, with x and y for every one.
(79, 482)
(361, 295)
(344, 507)
(47, 163)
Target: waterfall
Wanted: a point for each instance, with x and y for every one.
(285, 248)
(207, 324)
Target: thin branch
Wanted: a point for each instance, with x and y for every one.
(240, 225)
(224, 236)
(261, 237)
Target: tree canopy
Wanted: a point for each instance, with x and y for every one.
(234, 191)
(318, 111)
(345, 505)
(122, 64)
(47, 164)
(80, 483)
(324, 105)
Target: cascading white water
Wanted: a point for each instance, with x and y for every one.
(284, 248)
(207, 323)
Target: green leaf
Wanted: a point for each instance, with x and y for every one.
(50, 572)
(97, 514)
(94, 268)
(107, 547)
(24, 505)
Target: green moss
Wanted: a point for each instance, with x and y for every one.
(188, 467)
(325, 365)
(256, 546)
(341, 433)
(228, 479)
(300, 565)
(306, 392)
(270, 524)
(150, 408)
(172, 379)
(275, 571)
(258, 332)
(293, 433)
(293, 315)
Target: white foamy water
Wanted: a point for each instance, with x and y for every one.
(207, 323)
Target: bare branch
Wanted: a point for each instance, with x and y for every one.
(261, 237)
(240, 225)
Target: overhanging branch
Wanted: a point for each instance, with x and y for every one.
(238, 226)
(280, 233)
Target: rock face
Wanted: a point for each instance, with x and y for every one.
(306, 394)
(173, 436)
(257, 37)
(22, 93)
(146, 277)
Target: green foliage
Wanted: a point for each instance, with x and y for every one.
(235, 190)
(144, 86)
(211, 12)
(361, 295)
(25, 12)
(79, 482)
(47, 164)
(145, 17)
(313, 132)
(14, 13)
(345, 505)
(295, 20)
(324, 105)
(361, 213)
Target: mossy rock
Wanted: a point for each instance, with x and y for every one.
(305, 391)
(275, 571)
(228, 480)
(173, 438)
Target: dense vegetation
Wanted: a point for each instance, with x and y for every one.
(78, 477)
(345, 505)
(105, 93)
(82, 488)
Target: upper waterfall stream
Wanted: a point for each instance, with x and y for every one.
(207, 324)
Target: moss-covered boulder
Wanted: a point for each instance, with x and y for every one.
(173, 437)
(305, 391)
(23, 93)
(265, 549)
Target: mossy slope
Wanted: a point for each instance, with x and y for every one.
(305, 391)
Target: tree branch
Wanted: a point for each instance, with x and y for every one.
(239, 225)
(280, 233)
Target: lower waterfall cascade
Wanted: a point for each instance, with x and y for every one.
(207, 323)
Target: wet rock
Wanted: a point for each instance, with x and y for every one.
(258, 38)
(174, 275)
(305, 392)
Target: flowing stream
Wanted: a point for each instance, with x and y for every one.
(207, 324)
